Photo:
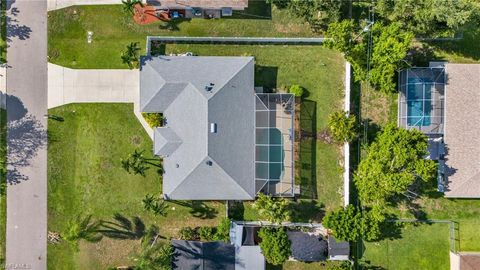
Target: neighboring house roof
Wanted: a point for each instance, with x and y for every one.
(338, 250)
(248, 254)
(194, 92)
(203, 255)
(469, 261)
(307, 247)
(213, 4)
(462, 130)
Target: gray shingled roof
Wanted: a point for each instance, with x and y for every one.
(462, 130)
(203, 255)
(192, 92)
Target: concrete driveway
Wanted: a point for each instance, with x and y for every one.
(26, 103)
(66, 85)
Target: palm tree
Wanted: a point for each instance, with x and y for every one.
(129, 5)
(156, 205)
(136, 163)
(130, 55)
(154, 256)
(83, 228)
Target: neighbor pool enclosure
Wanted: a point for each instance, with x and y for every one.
(274, 137)
(421, 100)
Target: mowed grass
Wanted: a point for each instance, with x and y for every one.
(320, 71)
(85, 178)
(113, 30)
(465, 212)
(422, 246)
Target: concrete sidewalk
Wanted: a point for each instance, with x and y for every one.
(26, 102)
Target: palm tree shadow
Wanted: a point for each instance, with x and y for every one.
(199, 209)
(123, 228)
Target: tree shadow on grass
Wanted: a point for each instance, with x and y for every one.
(308, 149)
(123, 228)
(236, 210)
(468, 46)
(373, 129)
(266, 76)
(256, 10)
(199, 209)
(173, 25)
(307, 211)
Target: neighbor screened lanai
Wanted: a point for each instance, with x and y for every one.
(421, 101)
(274, 157)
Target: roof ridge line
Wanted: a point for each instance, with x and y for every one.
(477, 174)
(160, 89)
(200, 163)
(233, 75)
(231, 178)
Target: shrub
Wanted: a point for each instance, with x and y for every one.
(153, 119)
(206, 233)
(343, 128)
(188, 233)
(275, 245)
(296, 90)
(272, 209)
(223, 230)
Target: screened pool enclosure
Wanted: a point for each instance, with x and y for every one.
(274, 137)
(421, 100)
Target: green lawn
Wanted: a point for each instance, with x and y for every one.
(465, 212)
(113, 30)
(423, 246)
(85, 177)
(3, 32)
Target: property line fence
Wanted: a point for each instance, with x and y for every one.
(234, 40)
(453, 230)
(346, 146)
(283, 224)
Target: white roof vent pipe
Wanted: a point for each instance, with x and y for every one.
(213, 128)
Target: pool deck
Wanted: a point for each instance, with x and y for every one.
(283, 122)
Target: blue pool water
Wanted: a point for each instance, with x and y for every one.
(419, 110)
(270, 154)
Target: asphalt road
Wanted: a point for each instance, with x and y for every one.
(26, 135)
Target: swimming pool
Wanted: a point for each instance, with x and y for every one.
(419, 102)
(269, 154)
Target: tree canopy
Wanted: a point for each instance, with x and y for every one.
(342, 127)
(389, 46)
(275, 210)
(428, 17)
(394, 161)
(275, 245)
(350, 224)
